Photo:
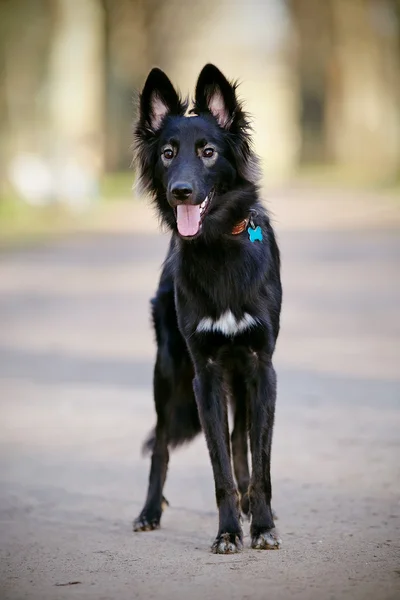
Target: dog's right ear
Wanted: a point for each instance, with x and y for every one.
(158, 99)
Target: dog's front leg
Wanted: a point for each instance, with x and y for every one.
(211, 402)
(239, 439)
(262, 397)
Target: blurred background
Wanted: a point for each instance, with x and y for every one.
(322, 80)
(80, 256)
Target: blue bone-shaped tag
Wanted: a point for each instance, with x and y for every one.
(255, 234)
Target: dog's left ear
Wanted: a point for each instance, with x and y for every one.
(216, 95)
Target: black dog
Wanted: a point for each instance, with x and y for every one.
(216, 312)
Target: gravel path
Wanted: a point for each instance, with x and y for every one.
(76, 353)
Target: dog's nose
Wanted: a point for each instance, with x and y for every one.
(181, 191)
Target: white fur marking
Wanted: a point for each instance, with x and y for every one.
(227, 323)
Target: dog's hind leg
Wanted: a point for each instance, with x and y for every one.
(177, 415)
(239, 440)
(262, 397)
(150, 516)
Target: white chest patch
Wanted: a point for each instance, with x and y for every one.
(227, 323)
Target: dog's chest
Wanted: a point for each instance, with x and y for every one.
(226, 323)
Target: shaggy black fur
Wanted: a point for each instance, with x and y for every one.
(184, 160)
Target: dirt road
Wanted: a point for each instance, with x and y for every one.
(76, 355)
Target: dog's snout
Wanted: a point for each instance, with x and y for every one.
(181, 191)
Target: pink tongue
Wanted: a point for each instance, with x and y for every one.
(188, 219)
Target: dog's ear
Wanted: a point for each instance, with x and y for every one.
(158, 99)
(216, 95)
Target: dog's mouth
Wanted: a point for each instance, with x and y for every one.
(190, 217)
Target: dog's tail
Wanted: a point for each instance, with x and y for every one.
(183, 426)
(149, 442)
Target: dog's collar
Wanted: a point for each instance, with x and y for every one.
(254, 231)
(240, 227)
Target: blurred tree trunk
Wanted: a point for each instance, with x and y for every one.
(77, 96)
(127, 65)
(363, 112)
(24, 47)
(3, 102)
(313, 20)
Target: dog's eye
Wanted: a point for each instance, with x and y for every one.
(208, 152)
(168, 154)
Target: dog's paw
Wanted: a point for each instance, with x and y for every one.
(144, 523)
(227, 543)
(267, 540)
(149, 519)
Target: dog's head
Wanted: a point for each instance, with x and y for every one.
(191, 163)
